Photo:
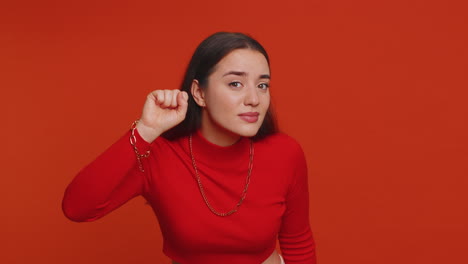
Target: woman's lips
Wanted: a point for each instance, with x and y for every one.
(250, 117)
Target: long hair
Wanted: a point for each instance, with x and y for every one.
(203, 62)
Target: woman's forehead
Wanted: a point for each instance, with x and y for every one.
(243, 62)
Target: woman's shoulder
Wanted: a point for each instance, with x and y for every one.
(280, 141)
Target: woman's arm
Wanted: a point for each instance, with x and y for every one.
(295, 236)
(107, 182)
(115, 176)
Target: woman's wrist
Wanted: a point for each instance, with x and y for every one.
(147, 133)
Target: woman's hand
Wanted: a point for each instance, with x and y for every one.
(163, 109)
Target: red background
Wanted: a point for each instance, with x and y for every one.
(375, 91)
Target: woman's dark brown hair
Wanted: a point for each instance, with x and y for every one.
(203, 62)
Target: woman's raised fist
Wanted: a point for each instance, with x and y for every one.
(163, 109)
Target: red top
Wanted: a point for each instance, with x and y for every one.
(276, 204)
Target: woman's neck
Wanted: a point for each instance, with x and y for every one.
(220, 136)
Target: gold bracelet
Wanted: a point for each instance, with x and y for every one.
(133, 143)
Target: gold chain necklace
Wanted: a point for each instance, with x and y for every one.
(202, 190)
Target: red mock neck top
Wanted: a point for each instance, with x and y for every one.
(276, 205)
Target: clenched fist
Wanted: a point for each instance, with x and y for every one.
(163, 109)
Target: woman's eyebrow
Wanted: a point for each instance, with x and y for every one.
(241, 73)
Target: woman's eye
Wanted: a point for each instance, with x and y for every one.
(263, 86)
(235, 84)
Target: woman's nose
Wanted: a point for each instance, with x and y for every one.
(251, 96)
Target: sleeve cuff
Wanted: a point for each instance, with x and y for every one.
(141, 144)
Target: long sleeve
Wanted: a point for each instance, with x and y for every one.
(106, 183)
(295, 236)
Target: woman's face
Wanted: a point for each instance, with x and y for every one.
(236, 97)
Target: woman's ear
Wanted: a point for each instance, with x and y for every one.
(197, 93)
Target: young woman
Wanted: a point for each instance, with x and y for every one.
(224, 184)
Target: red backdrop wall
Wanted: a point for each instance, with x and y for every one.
(375, 91)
